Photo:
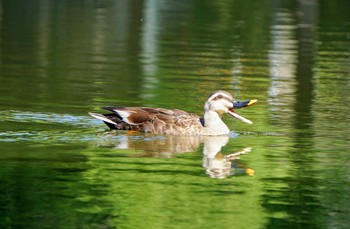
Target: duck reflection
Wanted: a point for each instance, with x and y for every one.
(216, 164)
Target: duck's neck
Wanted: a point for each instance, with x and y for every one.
(212, 121)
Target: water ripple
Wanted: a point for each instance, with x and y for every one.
(77, 124)
(51, 118)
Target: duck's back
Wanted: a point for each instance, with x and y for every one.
(152, 120)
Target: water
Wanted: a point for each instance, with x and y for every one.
(60, 168)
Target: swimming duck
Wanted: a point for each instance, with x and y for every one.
(176, 122)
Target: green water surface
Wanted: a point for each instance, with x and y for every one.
(61, 168)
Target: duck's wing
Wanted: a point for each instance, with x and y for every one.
(129, 115)
(152, 120)
(171, 121)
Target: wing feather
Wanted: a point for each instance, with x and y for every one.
(152, 120)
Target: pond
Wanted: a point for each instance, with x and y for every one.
(61, 168)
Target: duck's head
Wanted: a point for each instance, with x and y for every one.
(222, 102)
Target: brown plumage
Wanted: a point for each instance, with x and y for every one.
(173, 121)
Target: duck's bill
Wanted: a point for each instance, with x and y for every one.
(239, 104)
(237, 116)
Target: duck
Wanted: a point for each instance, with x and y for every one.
(175, 121)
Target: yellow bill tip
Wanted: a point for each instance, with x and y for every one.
(251, 102)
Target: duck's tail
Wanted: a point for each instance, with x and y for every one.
(110, 120)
